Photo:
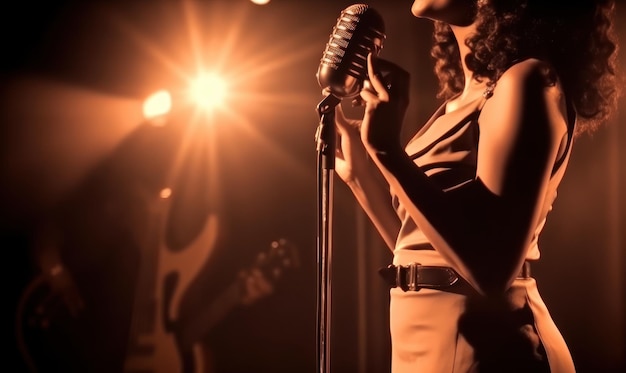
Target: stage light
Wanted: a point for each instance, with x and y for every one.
(157, 105)
(165, 193)
(209, 91)
(260, 2)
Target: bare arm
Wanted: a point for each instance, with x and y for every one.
(484, 227)
(364, 180)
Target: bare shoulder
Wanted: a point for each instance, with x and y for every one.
(530, 76)
(522, 127)
(528, 87)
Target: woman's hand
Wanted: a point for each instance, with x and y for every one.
(350, 157)
(386, 97)
(254, 286)
(355, 167)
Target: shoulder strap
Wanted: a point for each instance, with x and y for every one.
(486, 95)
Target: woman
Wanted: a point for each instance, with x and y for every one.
(471, 190)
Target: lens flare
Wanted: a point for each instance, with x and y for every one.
(165, 193)
(157, 105)
(209, 91)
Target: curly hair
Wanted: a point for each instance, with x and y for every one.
(576, 38)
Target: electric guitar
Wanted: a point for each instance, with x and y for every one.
(169, 345)
(49, 334)
(271, 265)
(159, 341)
(164, 277)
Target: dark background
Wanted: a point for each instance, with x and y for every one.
(74, 148)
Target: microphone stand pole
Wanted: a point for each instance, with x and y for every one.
(326, 139)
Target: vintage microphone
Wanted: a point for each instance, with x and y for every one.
(342, 71)
(343, 68)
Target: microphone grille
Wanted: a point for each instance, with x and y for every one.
(358, 31)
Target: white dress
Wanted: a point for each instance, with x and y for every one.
(436, 331)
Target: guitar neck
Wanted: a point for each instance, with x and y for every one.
(207, 317)
(271, 263)
(145, 302)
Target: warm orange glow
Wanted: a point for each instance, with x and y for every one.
(250, 71)
(209, 91)
(240, 62)
(58, 133)
(158, 104)
(165, 193)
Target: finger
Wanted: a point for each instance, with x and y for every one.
(357, 101)
(258, 287)
(369, 96)
(264, 286)
(257, 277)
(342, 120)
(374, 79)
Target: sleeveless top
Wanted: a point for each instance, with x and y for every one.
(446, 148)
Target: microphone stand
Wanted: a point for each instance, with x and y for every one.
(326, 139)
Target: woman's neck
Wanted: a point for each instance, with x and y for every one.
(461, 33)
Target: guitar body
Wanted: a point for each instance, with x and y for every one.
(49, 337)
(159, 341)
(155, 344)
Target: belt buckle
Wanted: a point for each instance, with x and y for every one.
(398, 275)
(410, 277)
(406, 276)
(412, 283)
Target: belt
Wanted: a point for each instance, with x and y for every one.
(415, 276)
